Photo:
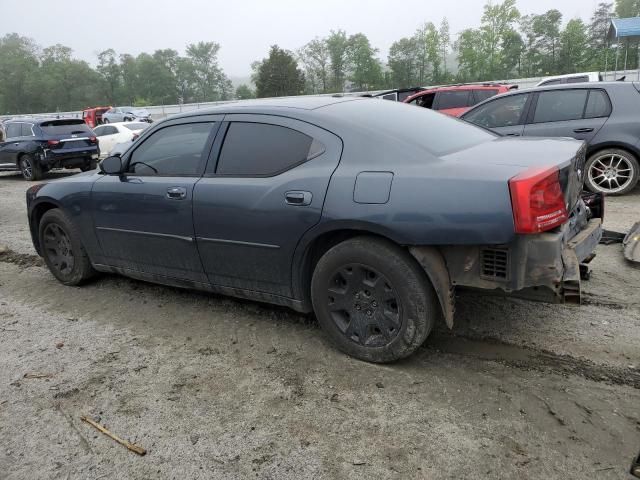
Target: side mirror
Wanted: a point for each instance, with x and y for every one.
(111, 165)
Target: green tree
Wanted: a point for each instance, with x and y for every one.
(206, 75)
(278, 75)
(18, 72)
(316, 61)
(365, 71)
(497, 24)
(109, 68)
(546, 28)
(445, 43)
(338, 46)
(402, 63)
(244, 92)
(574, 45)
(427, 41)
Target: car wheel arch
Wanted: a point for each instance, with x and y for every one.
(36, 214)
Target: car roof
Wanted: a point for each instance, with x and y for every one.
(466, 86)
(566, 86)
(272, 105)
(569, 75)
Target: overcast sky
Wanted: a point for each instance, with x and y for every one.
(244, 28)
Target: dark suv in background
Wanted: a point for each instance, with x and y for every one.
(35, 146)
(605, 115)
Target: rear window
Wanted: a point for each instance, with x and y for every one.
(65, 127)
(404, 124)
(454, 99)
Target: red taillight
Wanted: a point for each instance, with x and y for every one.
(53, 143)
(537, 200)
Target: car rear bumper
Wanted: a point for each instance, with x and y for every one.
(69, 158)
(544, 267)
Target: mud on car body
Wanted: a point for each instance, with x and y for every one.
(35, 146)
(368, 213)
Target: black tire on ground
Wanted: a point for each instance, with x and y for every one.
(62, 248)
(611, 171)
(30, 167)
(105, 121)
(373, 300)
(91, 165)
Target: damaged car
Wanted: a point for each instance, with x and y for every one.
(370, 214)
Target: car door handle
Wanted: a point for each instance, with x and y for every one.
(298, 198)
(177, 193)
(583, 130)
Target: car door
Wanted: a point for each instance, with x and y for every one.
(264, 192)
(15, 142)
(108, 137)
(504, 115)
(577, 113)
(143, 218)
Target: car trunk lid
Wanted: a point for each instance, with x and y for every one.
(62, 134)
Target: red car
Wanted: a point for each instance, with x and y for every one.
(93, 116)
(454, 100)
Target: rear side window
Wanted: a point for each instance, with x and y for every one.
(26, 130)
(580, 79)
(453, 99)
(560, 105)
(597, 105)
(177, 150)
(482, 95)
(65, 127)
(14, 130)
(555, 81)
(500, 112)
(260, 149)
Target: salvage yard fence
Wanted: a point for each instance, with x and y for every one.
(158, 112)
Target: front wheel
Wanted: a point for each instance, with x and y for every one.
(62, 248)
(373, 300)
(30, 168)
(611, 171)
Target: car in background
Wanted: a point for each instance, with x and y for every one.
(397, 95)
(606, 115)
(295, 202)
(454, 100)
(571, 78)
(36, 145)
(126, 114)
(114, 133)
(93, 116)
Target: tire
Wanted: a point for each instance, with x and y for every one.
(126, 119)
(92, 165)
(372, 299)
(30, 168)
(62, 248)
(105, 121)
(611, 171)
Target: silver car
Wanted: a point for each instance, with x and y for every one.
(126, 114)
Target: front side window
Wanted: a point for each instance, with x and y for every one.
(425, 101)
(501, 112)
(453, 99)
(260, 149)
(177, 150)
(560, 105)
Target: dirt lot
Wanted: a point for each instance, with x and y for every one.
(219, 388)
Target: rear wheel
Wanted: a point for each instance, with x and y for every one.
(30, 168)
(91, 165)
(62, 248)
(612, 171)
(373, 300)
(105, 120)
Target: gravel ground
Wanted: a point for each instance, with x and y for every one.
(219, 388)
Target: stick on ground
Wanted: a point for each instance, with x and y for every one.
(134, 448)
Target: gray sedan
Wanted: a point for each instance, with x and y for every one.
(126, 114)
(367, 213)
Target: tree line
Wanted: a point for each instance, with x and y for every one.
(506, 44)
